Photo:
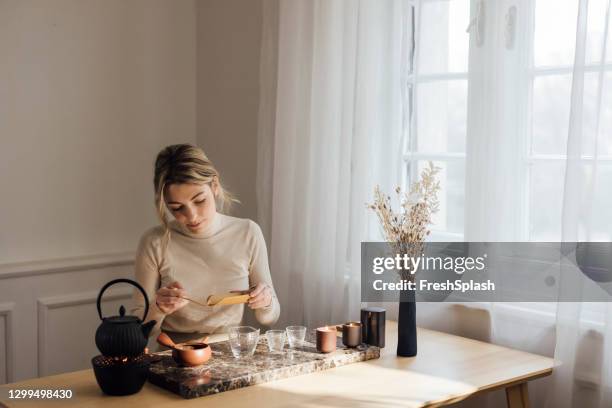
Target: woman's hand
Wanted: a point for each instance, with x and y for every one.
(168, 298)
(261, 296)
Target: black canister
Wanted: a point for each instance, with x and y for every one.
(373, 326)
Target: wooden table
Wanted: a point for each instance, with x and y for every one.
(448, 369)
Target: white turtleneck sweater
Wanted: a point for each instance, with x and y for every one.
(230, 254)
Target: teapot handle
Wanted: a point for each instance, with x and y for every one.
(134, 283)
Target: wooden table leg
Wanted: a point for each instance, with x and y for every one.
(517, 396)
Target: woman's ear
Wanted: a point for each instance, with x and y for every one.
(214, 185)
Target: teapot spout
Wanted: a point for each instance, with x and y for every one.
(147, 327)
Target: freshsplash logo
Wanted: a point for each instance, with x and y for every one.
(405, 263)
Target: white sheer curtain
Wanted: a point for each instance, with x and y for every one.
(519, 149)
(584, 330)
(330, 131)
(538, 169)
(520, 119)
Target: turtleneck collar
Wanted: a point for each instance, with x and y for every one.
(208, 231)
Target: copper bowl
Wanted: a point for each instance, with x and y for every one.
(192, 354)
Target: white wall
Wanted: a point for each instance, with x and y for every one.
(90, 90)
(228, 43)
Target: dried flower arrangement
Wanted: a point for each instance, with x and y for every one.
(407, 228)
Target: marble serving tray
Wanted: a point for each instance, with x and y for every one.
(224, 373)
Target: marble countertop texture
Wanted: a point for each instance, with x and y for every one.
(223, 372)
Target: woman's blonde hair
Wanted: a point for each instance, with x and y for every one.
(185, 163)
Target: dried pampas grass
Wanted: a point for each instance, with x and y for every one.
(407, 228)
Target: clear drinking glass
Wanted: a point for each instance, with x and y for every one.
(296, 335)
(276, 340)
(243, 340)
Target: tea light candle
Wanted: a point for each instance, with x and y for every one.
(351, 334)
(326, 339)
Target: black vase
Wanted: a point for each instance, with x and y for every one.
(406, 325)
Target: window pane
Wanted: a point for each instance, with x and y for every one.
(441, 116)
(601, 224)
(594, 115)
(452, 195)
(550, 120)
(443, 41)
(609, 41)
(555, 32)
(546, 201)
(551, 111)
(604, 146)
(595, 30)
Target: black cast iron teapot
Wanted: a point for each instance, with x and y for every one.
(123, 336)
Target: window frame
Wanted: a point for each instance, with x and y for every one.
(410, 155)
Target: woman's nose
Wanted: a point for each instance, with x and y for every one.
(191, 215)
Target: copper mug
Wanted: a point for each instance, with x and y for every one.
(326, 339)
(351, 333)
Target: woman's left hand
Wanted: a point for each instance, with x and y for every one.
(261, 296)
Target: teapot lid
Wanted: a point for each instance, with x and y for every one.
(122, 318)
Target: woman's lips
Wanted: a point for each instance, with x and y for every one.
(194, 225)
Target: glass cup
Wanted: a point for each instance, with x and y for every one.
(296, 335)
(243, 340)
(276, 340)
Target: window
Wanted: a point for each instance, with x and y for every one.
(550, 45)
(550, 82)
(437, 90)
(491, 108)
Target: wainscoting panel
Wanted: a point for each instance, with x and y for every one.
(48, 315)
(7, 342)
(66, 328)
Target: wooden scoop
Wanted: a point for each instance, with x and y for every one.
(165, 340)
(227, 299)
(194, 301)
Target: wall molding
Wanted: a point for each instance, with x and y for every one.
(6, 310)
(46, 304)
(49, 266)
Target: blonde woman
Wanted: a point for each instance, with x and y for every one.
(199, 251)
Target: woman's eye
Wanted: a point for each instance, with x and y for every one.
(200, 202)
(176, 209)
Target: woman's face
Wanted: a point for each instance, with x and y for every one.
(193, 205)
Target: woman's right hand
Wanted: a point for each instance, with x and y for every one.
(169, 298)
